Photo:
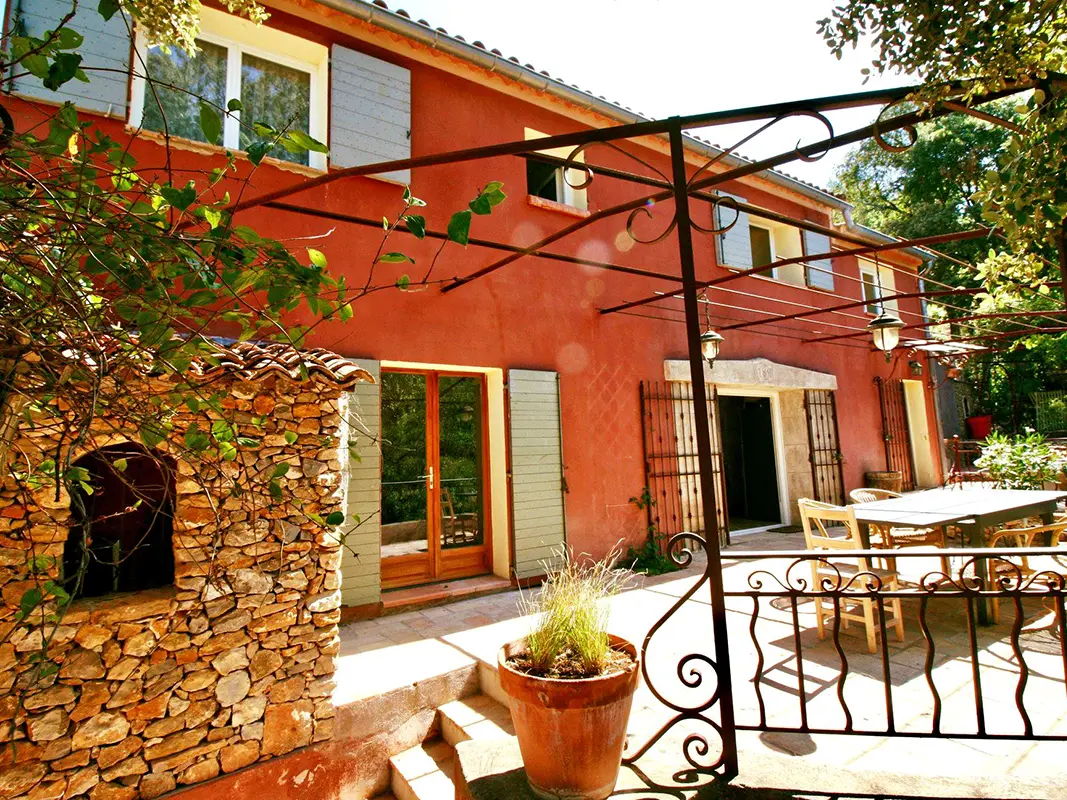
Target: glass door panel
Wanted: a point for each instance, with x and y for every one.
(461, 456)
(405, 470)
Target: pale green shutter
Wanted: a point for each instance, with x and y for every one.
(819, 272)
(361, 556)
(734, 247)
(106, 46)
(537, 487)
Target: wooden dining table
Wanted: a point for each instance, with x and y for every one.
(972, 509)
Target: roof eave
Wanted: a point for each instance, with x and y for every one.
(438, 40)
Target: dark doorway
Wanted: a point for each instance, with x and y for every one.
(748, 458)
(120, 540)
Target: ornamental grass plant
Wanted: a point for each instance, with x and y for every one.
(570, 636)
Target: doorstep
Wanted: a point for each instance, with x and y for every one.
(432, 594)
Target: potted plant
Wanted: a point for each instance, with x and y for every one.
(570, 684)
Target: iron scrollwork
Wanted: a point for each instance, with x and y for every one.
(692, 671)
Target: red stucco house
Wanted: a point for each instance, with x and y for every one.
(510, 416)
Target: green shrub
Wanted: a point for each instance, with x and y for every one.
(651, 558)
(1026, 461)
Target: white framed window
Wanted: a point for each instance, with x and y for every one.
(548, 182)
(280, 79)
(773, 241)
(876, 282)
(872, 290)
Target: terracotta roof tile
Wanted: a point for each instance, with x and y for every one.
(253, 361)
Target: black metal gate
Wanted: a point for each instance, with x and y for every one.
(895, 431)
(672, 471)
(824, 447)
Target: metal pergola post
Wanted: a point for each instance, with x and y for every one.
(704, 456)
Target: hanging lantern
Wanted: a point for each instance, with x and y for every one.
(885, 330)
(710, 341)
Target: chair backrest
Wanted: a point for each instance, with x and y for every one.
(814, 516)
(871, 495)
(1024, 537)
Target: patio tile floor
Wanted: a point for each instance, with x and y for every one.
(476, 628)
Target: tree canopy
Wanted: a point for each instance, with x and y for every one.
(986, 46)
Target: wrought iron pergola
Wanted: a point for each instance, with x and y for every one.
(684, 188)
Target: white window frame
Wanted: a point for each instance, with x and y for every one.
(239, 36)
(575, 198)
(770, 240)
(869, 277)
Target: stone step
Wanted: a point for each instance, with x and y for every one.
(424, 772)
(477, 717)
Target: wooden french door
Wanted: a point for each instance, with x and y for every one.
(435, 477)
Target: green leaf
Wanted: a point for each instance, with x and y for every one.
(62, 69)
(280, 470)
(403, 282)
(119, 464)
(234, 105)
(36, 64)
(180, 199)
(257, 150)
(30, 599)
(459, 227)
(395, 258)
(317, 258)
(290, 437)
(68, 39)
(152, 434)
(275, 489)
(57, 591)
(480, 205)
(305, 142)
(228, 451)
(108, 8)
(245, 441)
(210, 123)
(335, 518)
(416, 224)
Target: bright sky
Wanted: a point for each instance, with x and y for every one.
(665, 57)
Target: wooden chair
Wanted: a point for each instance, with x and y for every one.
(457, 529)
(893, 538)
(1019, 567)
(963, 453)
(818, 519)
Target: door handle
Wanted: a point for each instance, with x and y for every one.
(430, 476)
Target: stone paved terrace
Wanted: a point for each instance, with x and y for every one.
(395, 648)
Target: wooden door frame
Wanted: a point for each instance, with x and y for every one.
(436, 559)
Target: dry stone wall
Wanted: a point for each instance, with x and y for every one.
(141, 693)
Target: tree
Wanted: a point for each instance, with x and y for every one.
(962, 172)
(112, 268)
(983, 47)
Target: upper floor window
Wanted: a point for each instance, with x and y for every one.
(773, 241)
(555, 183)
(872, 290)
(750, 242)
(279, 79)
(877, 281)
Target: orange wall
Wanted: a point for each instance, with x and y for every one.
(541, 314)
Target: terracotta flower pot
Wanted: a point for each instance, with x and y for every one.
(571, 732)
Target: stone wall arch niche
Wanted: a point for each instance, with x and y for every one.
(121, 524)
